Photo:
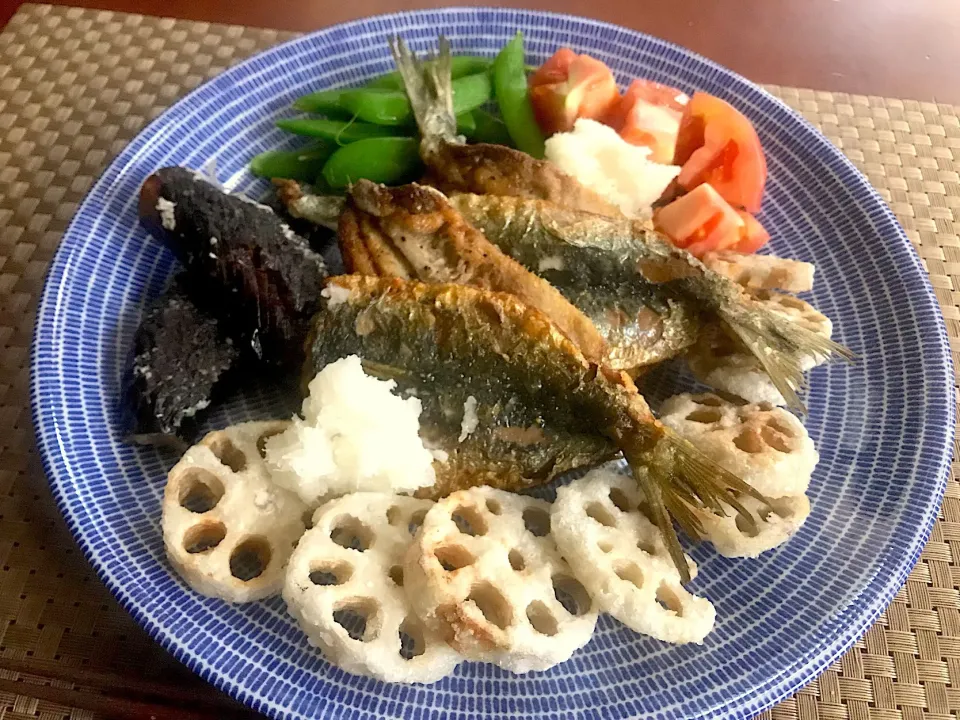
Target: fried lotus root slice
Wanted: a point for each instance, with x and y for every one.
(774, 525)
(617, 553)
(762, 272)
(724, 364)
(765, 446)
(488, 575)
(227, 529)
(346, 588)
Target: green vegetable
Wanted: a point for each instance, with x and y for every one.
(510, 89)
(336, 131)
(489, 129)
(324, 101)
(388, 160)
(391, 107)
(460, 66)
(466, 124)
(303, 164)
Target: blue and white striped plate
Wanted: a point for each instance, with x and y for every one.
(884, 426)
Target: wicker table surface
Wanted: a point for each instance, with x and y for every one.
(75, 87)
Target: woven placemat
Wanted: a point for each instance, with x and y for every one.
(76, 85)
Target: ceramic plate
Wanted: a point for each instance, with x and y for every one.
(883, 426)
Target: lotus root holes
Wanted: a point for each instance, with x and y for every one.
(492, 605)
(541, 618)
(250, 558)
(200, 490)
(705, 416)
(396, 574)
(629, 572)
(262, 441)
(777, 435)
(749, 441)
(746, 525)
(619, 498)
(331, 573)
(394, 515)
(669, 600)
(228, 453)
(204, 537)
(604, 546)
(494, 507)
(307, 520)
(516, 560)
(708, 400)
(411, 639)
(416, 520)
(599, 513)
(469, 521)
(358, 617)
(454, 557)
(571, 594)
(779, 506)
(351, 533)
(537, 521)
(646, 546)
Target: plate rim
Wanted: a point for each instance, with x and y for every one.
(865, 609)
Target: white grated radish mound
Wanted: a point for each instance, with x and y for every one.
(355, 436)
(617, 553)
(489, 576)
(346, 588)
(603, 161)
(766, 447)
(227, 529)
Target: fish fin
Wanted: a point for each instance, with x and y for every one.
(429, 87)
(780, 343)
(676, 479)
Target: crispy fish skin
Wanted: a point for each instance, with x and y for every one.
(481, 168)
(601, 251)
(459, 339)
(412, 232)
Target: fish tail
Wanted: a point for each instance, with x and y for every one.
(780, 344)
(429, 87)
(677, 479)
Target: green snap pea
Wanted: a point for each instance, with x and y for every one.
(466, 124)
(387, 160)
(460, 66)
(336, 131)
(391, 107)
(489, 129)
(513, 97)
(303, 164)
(323, 102)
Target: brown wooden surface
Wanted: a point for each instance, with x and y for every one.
(893, 48)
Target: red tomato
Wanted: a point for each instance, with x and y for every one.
(753, 235)
(570, 86)
(700, 221)
(649, 115)
(718, 145)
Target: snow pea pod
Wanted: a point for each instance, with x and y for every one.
(513, 97)
(460, 66)
(391, 107)
(323, 101)
(336, 131)
(488, 129)
(302, 164)
(387, 160)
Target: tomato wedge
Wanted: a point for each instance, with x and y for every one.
(753, 235)
(700, 221)
(649, 115)
(718, 145)
(570, 86)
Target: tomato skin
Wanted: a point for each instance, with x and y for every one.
(568, 87)
(716, 144)
(700, 221)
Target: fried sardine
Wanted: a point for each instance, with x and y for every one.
(481, 168)
(530, 387)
